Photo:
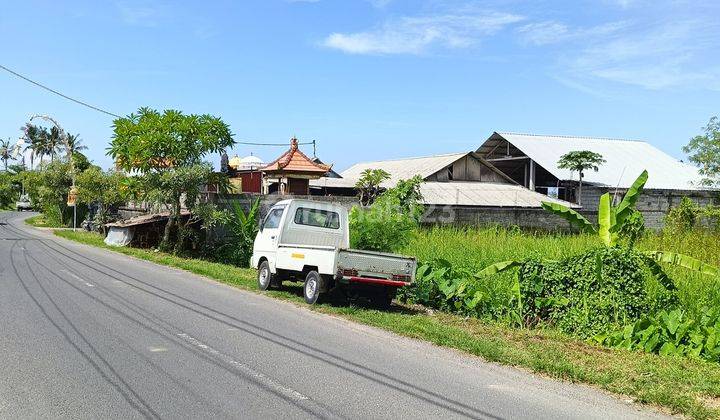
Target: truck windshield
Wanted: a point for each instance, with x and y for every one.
(272, 221)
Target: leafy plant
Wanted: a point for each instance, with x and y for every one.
(683, 217)
(368, 186)
(389, 223)
(671, 332)
(243, 226)
(611, 219)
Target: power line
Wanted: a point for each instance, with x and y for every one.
(77, 101)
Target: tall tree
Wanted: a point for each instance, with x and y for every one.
(704, 151)
(168, 149)
(5, 152)
(75, 143)
(580, 161)
(52, 142)
(33, 137)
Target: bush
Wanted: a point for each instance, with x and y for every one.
(590, 293)
(389, 223)
(440, 285)
(8, 192)
(48, 189)
(671, 332)
(683, 217)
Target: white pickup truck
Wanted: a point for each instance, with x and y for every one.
(308, 241)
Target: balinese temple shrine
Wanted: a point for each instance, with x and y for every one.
(291, 172)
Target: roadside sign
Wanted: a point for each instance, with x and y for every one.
(72, 197)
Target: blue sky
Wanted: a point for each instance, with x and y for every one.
(370, 79)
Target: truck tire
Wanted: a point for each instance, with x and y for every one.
(311, 287)
(265, 276)
(382, 297)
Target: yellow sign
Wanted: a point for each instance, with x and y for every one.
(72, 197)
(298, 256)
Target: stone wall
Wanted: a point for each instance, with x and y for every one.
(653, 203)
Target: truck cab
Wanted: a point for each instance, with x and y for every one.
(308, 241)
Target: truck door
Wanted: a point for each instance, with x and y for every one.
(266, 241)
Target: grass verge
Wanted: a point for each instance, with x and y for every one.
(37, 221)
(679, 385)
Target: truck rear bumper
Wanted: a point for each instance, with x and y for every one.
(380, 282)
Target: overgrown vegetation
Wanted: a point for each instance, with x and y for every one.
(389, 223)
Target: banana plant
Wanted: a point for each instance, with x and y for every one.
(610, 218)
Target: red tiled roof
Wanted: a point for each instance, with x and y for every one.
(295, 161)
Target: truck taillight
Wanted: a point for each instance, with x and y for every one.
(350, 272)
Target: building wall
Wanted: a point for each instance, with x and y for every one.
(467, 169)
(653, 204)
(528, 218)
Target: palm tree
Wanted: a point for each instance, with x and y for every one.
(5, 152)
(38, 143)
(52, 142)
(74, 142)
(580, 161)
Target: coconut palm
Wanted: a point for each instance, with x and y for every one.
(53, 142)
(5, 152)
(74, 142)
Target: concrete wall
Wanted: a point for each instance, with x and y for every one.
(653, 204)
(529, 218)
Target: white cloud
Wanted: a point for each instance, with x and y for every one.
(415, 35)
(551, 32)
(138, 13)
(664, 56)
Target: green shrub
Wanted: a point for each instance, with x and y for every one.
(390, 222)
(8, 191)
(440, 285)
(671, 332)
(590, 293)
(683, 217)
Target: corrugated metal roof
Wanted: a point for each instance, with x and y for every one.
(400, 169)
(485, 194)
(626, 159)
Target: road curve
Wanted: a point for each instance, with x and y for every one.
(88, 333)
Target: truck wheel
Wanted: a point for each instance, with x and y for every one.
(312, 286)
(265, 276)
(383, 297)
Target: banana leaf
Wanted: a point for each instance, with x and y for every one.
(606, 220)
(498, 268)
(575, 218)
(657, 270)
(684, 261)
(624, 209)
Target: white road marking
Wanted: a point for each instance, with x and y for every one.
(260, 377)
(158, 349)
(81, 280)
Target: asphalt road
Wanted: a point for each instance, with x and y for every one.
(88, 333)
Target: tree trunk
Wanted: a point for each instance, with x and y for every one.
(579, 198)
(173, 219)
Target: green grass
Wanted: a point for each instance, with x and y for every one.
(680, 385)
(38, 221)
(477, 248)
